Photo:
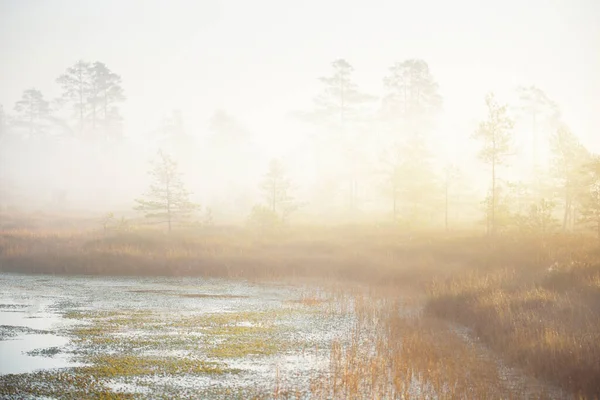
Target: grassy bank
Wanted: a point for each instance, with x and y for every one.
(544, 320)
(534, 301)
(353, 252)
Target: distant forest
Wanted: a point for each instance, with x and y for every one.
(371, 155)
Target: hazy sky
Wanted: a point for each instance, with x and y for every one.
(260, 59)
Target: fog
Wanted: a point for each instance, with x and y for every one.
(224, 87)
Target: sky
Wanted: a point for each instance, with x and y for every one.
(260, 59)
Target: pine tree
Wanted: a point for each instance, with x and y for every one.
(589, 208)
(77, 85)
(167, 200)
(32, 110)
(569, 158)
(105, 92)
(409, 107)
(339, 109)
(495, 133)
(412, 96)
(276, 188)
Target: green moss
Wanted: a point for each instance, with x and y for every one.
(70, 384)
(238, 347)
(115, 342)
(129, 365)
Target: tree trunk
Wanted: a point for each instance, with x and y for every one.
(105, 122)
(535, 152)
(274, 199)
(80, 100)
(169, 216)
(30, 118)
(94, 115)
(493, 222)
(446, 208)
(567, 213)
(342, 102)
(105, 106)
(394, 196)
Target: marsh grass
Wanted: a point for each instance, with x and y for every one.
(393, 353)
(533, 300)
(111, 365)
(57, 384)
(547, 325)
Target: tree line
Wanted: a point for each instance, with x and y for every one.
(343, 120)
(407, 112)
(91, 94)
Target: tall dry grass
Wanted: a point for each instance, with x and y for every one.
(393, 354)
(535, 301)
(543, 319)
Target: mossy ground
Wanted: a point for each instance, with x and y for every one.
(135, 346)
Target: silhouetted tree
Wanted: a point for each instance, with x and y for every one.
(340, 100)
(339, 109)
(31, 111)
(105, 92)
(167, 200)
(77, 85)
(412, 95)
(495, 135)
(409, 106)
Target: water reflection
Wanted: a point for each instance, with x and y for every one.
(15, 359)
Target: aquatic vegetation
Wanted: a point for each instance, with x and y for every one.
(131, 365)
(66, 384)
(243, 346)
(134, 341)
(46, 352)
